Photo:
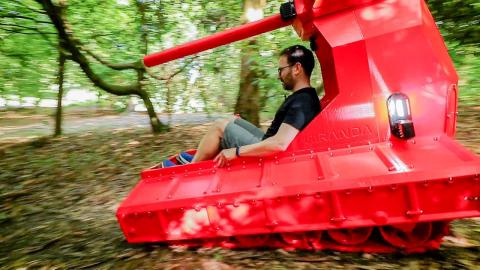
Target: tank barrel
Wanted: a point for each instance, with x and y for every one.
(217, 40)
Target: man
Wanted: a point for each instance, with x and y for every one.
(228, 139)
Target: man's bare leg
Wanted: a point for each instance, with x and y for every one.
(209, 146)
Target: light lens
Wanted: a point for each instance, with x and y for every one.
(400, 104)
(401, 124)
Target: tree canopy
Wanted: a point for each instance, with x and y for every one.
(104, 42)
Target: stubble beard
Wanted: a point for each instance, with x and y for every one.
(287, 85)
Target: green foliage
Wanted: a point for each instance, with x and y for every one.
(458, 20)
(28, 58)
(459, 23)
(467, 61)
(113, 29)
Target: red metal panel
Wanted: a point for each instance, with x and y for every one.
(344, 172)
(451, 111)
(409, 193)
(372, 48)
(349, 118)
(326, 7)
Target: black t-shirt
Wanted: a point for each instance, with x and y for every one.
(297, 110)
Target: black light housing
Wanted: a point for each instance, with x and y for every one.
(287, 10)
(400, 116)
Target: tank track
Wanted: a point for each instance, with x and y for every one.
(407, 238)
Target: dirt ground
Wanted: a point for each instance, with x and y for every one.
(58, 199)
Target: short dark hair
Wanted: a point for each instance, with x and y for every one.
(302, 55)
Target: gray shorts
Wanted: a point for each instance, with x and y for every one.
(239, 132)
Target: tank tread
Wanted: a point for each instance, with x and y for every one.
(407, 238)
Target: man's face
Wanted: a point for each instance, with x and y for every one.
(285, 73)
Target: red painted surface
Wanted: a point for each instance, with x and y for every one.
(345, 182)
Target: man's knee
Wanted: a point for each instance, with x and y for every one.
(219, 125)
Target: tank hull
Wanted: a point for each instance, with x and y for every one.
(346, 182)
(309, 192)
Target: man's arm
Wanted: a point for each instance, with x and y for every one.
(277, 143)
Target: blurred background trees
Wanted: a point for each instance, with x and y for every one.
(89, 53)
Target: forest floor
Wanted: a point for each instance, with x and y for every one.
(58, 199)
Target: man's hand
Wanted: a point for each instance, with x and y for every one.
(224, 156)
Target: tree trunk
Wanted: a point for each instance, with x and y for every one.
(156, 125)
(78, 53)
(58, 114)
(168, 98)
(248, 98)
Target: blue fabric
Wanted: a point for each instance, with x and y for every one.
(167, 163)
(184, 158)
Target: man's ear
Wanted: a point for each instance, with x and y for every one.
(298, 68)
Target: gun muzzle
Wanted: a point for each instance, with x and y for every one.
(217, 40)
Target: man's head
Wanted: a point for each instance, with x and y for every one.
(296, 64)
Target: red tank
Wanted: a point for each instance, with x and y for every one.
(378, 170)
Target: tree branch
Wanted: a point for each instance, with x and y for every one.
(14, 16)
(167, 78)
(55, 13)
(37, 31)
(26, 33)
(19, 26)
(77, 51)
(137, 65)
(23, 5)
